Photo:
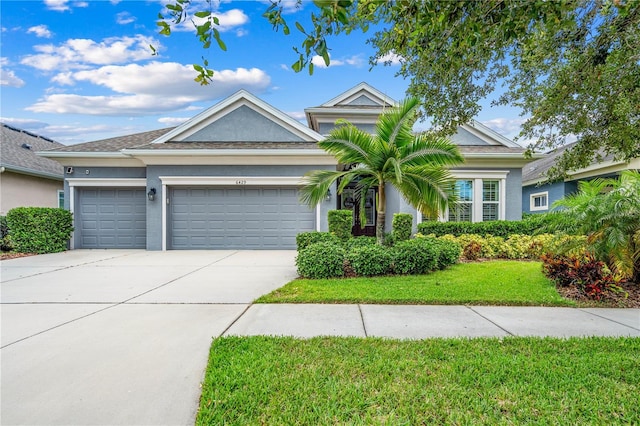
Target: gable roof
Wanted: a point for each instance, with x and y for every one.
(535, 172)
(356, 93)
(250, 104)
(18, 153)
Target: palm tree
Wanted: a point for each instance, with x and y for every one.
(416, 165)
(607, 211)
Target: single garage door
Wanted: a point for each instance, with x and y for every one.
(237, 218)
(111, 218)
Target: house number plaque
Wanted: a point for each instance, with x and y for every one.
(241, 182)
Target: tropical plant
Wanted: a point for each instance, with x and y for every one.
(607, 211)
(415, 164)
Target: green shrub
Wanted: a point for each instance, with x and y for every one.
(401, 226)
(369, 260)
(416, 256)
(355, 242)
(305, 239)
(39, 229)
(321, 260)
(449, 253)
(497, 228)
(340, 223)
(5, 243)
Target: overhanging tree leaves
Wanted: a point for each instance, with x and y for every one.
(416, 165)
(572, 67)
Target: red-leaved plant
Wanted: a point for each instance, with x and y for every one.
(590, 276)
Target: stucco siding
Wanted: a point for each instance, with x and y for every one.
(326, 128)
(246, 125)
(18, 190)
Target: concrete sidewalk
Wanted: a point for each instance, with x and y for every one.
(121, 337)
(420, 322)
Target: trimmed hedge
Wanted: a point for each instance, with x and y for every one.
(305, 239)
(340, 223)
(417, 256)
(39, 229)
(368, 260)
(401, 227)
(5, 243)
(321, 260)
(497, 228)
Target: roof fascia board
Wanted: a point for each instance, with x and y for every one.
(488, 135)
(80, 154)
(242, 97)
(31, 172)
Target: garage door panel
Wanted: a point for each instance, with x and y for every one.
(249, 217)
(111, 218)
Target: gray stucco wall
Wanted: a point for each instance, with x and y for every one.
(101, 173)
(246, 125)
(463, 137)
(555, 191)
(326, 128)
(363, 100)
(154, 210)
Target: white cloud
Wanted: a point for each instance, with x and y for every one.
(298, 115)
(8, 77)
(505, 126)
(63, 5)
(390, 59)
(40, 31)
(124, 18)
(172, 121)
(24, 123)
(148, 89)
(57, 5)
(355, 61)
(80, 53)
(284, 67)
(288, 6)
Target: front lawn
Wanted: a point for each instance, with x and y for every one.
(269, 380)
(481, 283)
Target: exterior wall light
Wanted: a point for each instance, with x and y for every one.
(328, 195)
(151, 194)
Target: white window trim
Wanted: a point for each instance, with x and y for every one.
(532, 198)
(478, 176)
(97, 182)
(239, 181)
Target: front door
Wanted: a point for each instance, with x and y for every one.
(347, 200)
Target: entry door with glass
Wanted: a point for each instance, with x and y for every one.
(348, 201)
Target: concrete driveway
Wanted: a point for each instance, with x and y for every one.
(120, 336)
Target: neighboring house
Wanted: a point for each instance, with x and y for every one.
(229, 177)
(27, 179)
(538, 194)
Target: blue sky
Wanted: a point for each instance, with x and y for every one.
(78, 71)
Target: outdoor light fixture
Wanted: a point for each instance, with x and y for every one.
(328, 195)
(152, 194)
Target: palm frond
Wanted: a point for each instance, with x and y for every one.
(395, 125)
(349, 145)
(316, 183)
(437, 151)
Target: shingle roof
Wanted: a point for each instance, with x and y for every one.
(538, 169)
(18, 152)
(488, 149)
(117, 143)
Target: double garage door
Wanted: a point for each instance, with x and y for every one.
(197, 218)
(236, 218)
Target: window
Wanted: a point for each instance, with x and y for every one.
(481, 196)
(490, 199)
(61, 199)
(539, 201)
(462, 210)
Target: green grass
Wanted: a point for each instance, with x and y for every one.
(285, 381)
(481, 283)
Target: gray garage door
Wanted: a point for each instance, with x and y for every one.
(111, 218)
(238, 218)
